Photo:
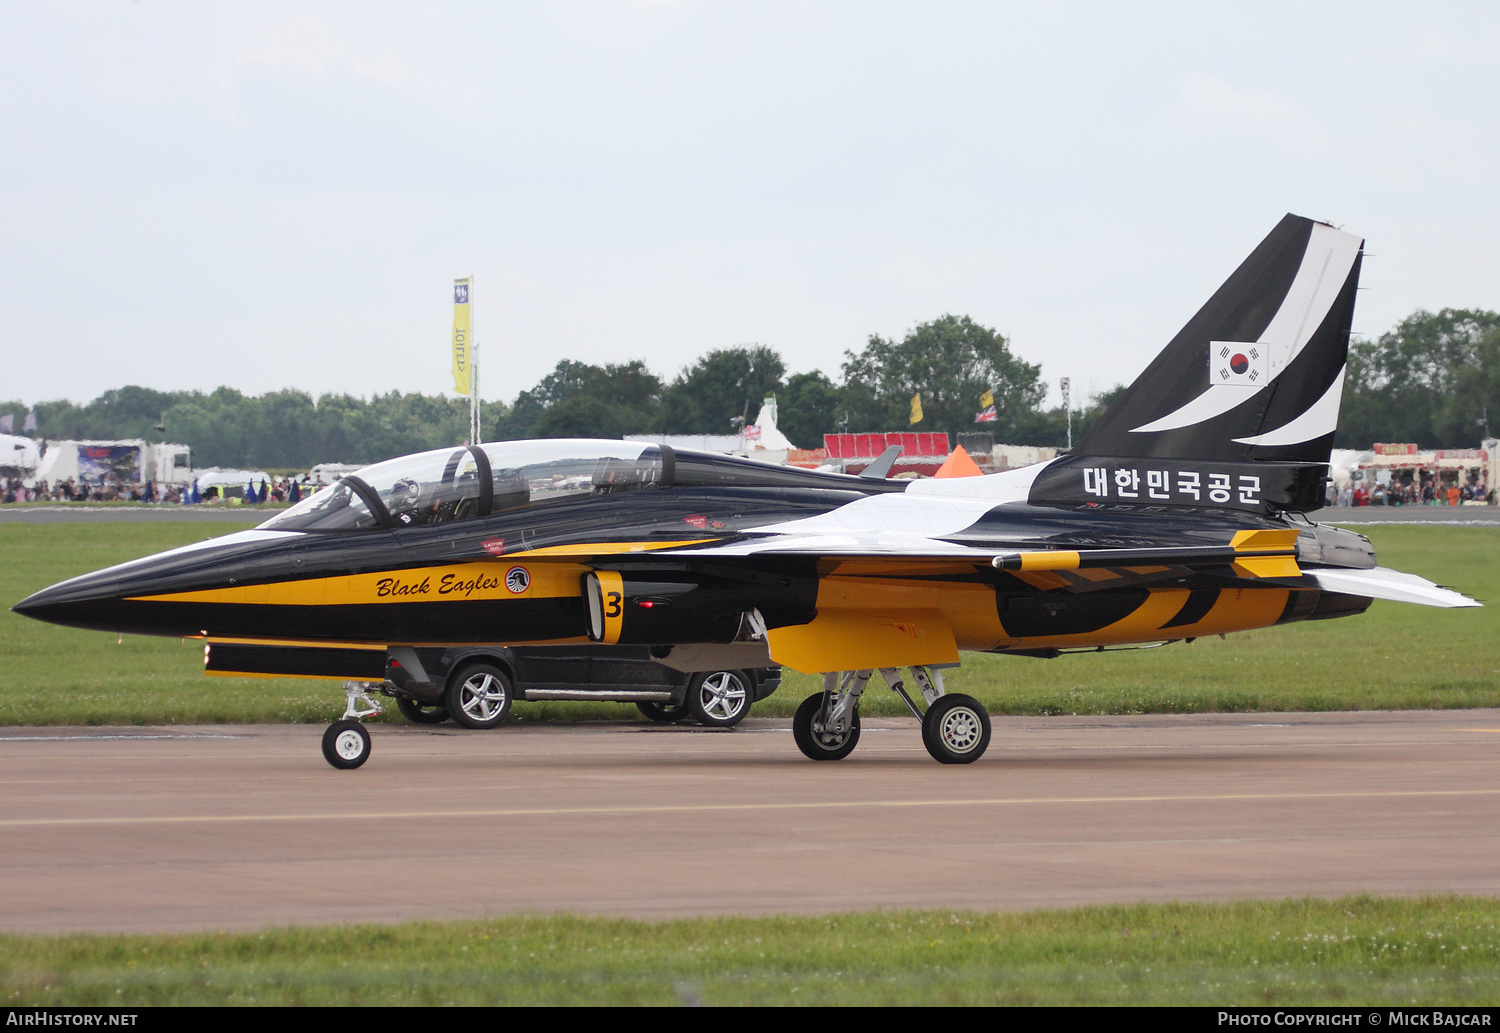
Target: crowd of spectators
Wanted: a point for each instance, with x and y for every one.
(13, 489)
(1428, 492)
(280, 490)
(110, 489)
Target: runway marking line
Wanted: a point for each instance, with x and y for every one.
(556, 812)
(122, 735)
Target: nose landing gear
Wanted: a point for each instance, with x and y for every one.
(346, 743)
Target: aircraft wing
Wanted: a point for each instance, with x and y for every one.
(1250, 553)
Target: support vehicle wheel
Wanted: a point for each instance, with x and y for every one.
(720, 699)
(346, 744)
(422, 713)
(666, 713)
(813, 741)
(956, 729)
(479, 696)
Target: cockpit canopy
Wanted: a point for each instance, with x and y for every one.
(451, 484)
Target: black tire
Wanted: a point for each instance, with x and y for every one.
(665, 713)
(719, 699)
(422, 713)
(812, 742)
(478, 696)
(956, 729)
(346, 744)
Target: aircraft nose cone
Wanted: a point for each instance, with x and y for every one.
(138, 596)
(90, 601)
(34, 605)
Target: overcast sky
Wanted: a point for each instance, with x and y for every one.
(273, 195)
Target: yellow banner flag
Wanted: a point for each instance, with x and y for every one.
(461, 354)
(987, 399)
(916, 408)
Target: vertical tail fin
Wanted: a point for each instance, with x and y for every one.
(1257, 374)
(1246, 396)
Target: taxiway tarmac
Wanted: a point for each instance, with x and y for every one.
(160, 829)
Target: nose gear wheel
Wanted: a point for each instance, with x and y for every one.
(346, 744)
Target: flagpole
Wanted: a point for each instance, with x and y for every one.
(1066, 385)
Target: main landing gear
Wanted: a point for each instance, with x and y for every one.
(955, 727)
(346, 743)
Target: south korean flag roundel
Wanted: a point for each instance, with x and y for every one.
(1239, 364)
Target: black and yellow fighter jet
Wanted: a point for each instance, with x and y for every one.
(1181, 514)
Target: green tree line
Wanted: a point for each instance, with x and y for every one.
(1430, 380)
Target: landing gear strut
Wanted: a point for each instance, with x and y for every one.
(346, 743)
(955, 728)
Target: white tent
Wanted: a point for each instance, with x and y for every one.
(327, 473)
(18, 454)
(226, 480)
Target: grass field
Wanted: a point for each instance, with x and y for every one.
(1364, 951)
(1393, 657)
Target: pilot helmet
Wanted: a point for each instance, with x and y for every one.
(405, 494)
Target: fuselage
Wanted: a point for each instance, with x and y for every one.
(690, 562)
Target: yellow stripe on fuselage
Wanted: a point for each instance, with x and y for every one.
(480, 579)
(452, 582)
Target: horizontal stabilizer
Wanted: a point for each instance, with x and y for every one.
(1385, 583)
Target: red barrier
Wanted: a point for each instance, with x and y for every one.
(868, 446)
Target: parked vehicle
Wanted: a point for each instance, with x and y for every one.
(475, 686)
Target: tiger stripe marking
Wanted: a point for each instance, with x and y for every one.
(1236, 609)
